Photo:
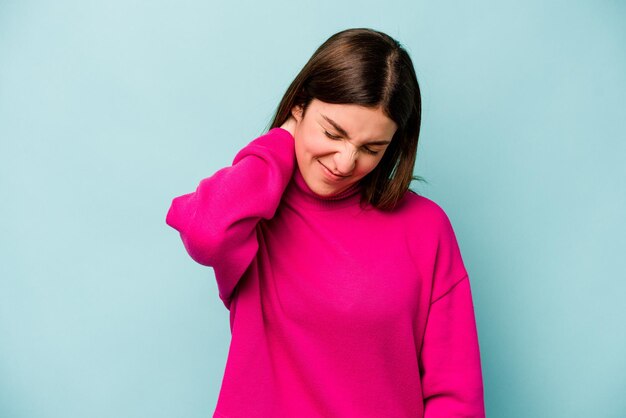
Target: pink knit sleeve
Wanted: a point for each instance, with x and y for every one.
(451, 372)
(452, 383)
(217, 223)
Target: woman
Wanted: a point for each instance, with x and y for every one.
(347, 292)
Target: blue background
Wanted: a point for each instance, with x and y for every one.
(109, 109)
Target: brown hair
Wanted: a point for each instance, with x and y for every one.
(369, 68)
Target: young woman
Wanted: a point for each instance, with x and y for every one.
(347, 292)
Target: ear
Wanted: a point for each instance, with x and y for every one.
(296, 111)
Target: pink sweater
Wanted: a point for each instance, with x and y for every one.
(335, 311)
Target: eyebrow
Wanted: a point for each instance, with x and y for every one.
(345, 134)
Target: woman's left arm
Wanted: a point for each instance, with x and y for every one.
(450, 357)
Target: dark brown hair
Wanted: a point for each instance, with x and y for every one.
(369, 68)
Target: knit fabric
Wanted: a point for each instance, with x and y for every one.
(336, 310)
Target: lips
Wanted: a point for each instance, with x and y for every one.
(329, 174)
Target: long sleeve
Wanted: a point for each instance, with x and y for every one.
(451, 371)
(217, 222)
(450, 363)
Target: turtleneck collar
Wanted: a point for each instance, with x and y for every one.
(299, 193)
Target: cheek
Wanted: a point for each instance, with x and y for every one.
(367, 166)
(309, 146)
(305, 153)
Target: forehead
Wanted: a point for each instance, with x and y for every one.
(358, 121)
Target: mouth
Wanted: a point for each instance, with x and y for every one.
(330, 174)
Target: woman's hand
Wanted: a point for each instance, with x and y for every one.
(290, 125)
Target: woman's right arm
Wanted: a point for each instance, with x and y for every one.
(217, 222)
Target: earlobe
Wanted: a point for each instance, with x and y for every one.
(296, 112)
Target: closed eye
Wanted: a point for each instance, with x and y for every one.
(331, 136)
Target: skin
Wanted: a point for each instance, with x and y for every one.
(331, 161)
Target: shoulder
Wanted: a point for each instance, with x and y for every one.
(424, 219)
(422, 210)
(432, 238)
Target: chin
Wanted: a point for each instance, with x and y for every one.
(321, 189)
(318, 184)
(324, 192)
(327, 191)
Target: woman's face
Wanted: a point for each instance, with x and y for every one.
(338, 144)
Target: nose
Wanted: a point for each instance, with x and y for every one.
(345, 160)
